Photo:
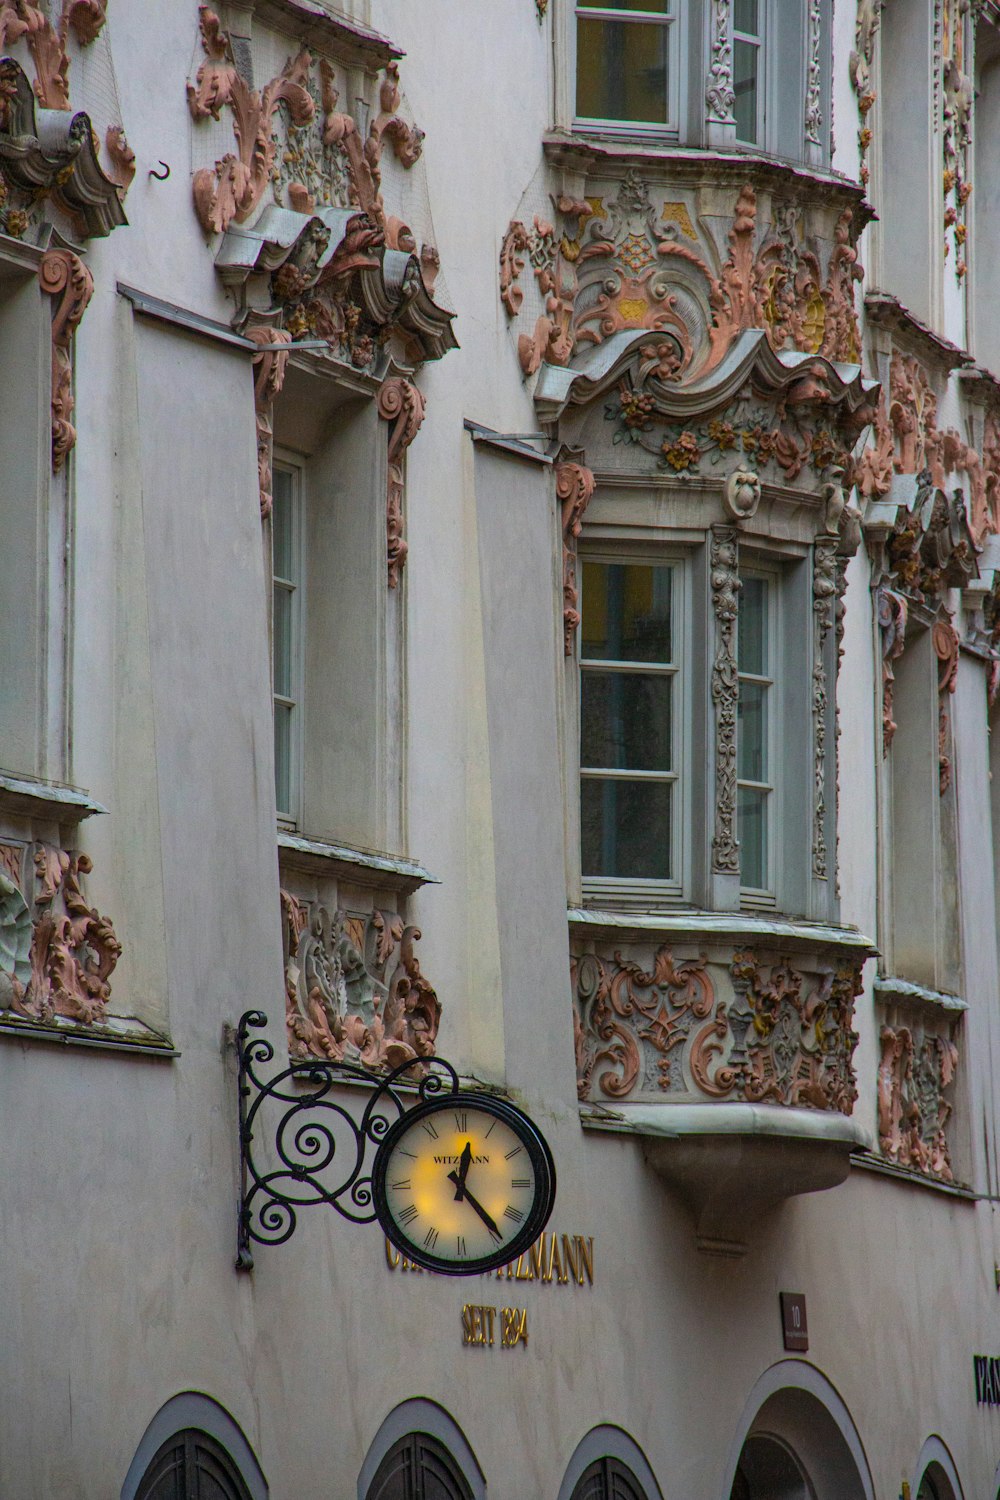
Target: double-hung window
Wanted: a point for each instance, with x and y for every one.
(748, 70)
(756, 793)
(627, 63)
(630, 721)
(287, 578)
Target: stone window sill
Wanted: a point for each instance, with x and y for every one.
(117, 1034)
(361, 866)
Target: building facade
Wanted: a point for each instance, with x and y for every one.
(499, 535)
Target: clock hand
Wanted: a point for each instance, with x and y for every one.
(474, 1203)
(463, 1172)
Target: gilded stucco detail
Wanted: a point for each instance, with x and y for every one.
(63, 275)
(916, 1084)
(353, 986)
(57, 952)
(574, 488)
(725, 696)
(741, 1026)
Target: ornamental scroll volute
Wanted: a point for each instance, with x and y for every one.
(353, 986)
(574, 488)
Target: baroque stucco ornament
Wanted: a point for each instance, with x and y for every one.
(574, 488)
(916, 1076)
(353, 987)
(402, 406)
(63, 275)
(726, 586)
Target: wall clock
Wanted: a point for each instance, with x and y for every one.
(463, 1184)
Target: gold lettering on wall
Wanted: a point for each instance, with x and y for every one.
(559, 1259)
(479, 1326)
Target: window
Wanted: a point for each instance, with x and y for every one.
(629, 722)
(748, 55)
(607, 1479)
(193, 1465)
(418, 1467)
(626, 62)
(756, 662)
(286, 638)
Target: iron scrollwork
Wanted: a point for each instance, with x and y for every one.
(324, 1152)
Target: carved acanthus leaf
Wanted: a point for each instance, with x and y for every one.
(574, 487)
(269, 374)
(63, 275)
(401, 404)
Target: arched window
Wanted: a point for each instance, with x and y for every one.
(193, 1465)
(607, 1479)
(418, 1467)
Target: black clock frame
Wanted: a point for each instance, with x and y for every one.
(542, 1164)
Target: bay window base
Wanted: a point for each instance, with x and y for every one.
(732, 1163)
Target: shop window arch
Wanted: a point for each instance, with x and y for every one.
(421, 1450)
(607, 1464)
(936, 1475)
(194, 1437)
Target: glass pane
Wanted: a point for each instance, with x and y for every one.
(282, 523)
(751, 732)
(621, 71)
(283, 757)
(625, 721)
(626, 829)
(745, 16)
(651, 7)
(283, 630)
(627, 612)
(752, 827)
(745, 60)
(752, 635)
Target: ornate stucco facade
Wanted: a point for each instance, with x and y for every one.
(501, 561)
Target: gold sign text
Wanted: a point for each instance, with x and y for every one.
(480, 1326)
(554, 1259)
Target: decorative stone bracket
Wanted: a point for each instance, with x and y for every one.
(353, 986)
(57, 953)
(269, 374)
(574, 488)
(402, 405)
(63, 275)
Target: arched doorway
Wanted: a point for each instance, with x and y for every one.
(608, 1479)
(418, 1467)
(797, 1441)
(937, 1477)
(194, 1465)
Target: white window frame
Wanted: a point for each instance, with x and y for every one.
(676, 23)
(637, 893)
(290, 818)
(760, 41)
(766, 897)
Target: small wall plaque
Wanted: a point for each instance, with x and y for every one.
(793, 1321)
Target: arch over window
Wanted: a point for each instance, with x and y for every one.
(796, 1440)
(194, 1440)
(937, 1477)
(609, 1465)
(420, 1453)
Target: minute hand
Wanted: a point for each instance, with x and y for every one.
(474, 1203)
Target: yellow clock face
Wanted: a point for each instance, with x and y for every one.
(461, 1187)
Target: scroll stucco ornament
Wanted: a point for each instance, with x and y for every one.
(824, 593)
(725, 697)
(47, 43)
(741, 494)
(269, 374)
(574, 488)
(63, 275)
(916, 1074)
(402, 405)
(15, 943)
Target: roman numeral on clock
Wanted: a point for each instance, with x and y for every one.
(509, 1155)
(408, 1215)
(430, 1239)
(513, 1213)
(403, 1185)
(430, 1128)
(461, 1121)
(515, 1182)
(460, 1246)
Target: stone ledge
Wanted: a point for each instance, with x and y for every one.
(362, 866)
(119, 1034)
(28, 797)
(867, 1161)
(738, 926)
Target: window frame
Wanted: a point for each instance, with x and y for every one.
(768, 568)
(676, 24)
(631, 892)
(288, 462)
(760, 40)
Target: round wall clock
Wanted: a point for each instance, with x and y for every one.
(463, 1184)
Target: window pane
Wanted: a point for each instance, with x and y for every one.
(752, 634)
(745, 60)
(627, 612)
(651, 7)
(283, 757)
(283, 629)
(282, 523)
(626, 829)
(751, 732)
(625, 721)
(621, 71)
(745, 16)
(752, 827)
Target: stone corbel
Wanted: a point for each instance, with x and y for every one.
(720, 99)
(401, 404)
(269, 373)
(63, 275)
(574, 487)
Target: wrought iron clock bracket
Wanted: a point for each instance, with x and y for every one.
(317, 1150)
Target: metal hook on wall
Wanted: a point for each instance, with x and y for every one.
(160, 176)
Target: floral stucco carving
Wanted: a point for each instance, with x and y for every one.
(619, 267)
(353, 987)
(574, 488)
(47, 43)
(401, 404)
(269, 374)
(737, 1025)
(957, 93)
(916, 1076)
(891, 612)
(63, 275)
(720, 97)
(824, 596)
(866, 24)
(73, 948)
(725, 696)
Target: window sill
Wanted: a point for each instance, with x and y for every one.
(316, 23)
(361, 866)
(118, 1034)
(890, 987)
(723, 925)
(26, 797)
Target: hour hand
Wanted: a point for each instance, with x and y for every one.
(474, 1203)
(463, 1171)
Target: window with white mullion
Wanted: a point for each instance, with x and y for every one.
(627, 63)
(748, 71)
(286, 637)
(756, 650)
(628, 722)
